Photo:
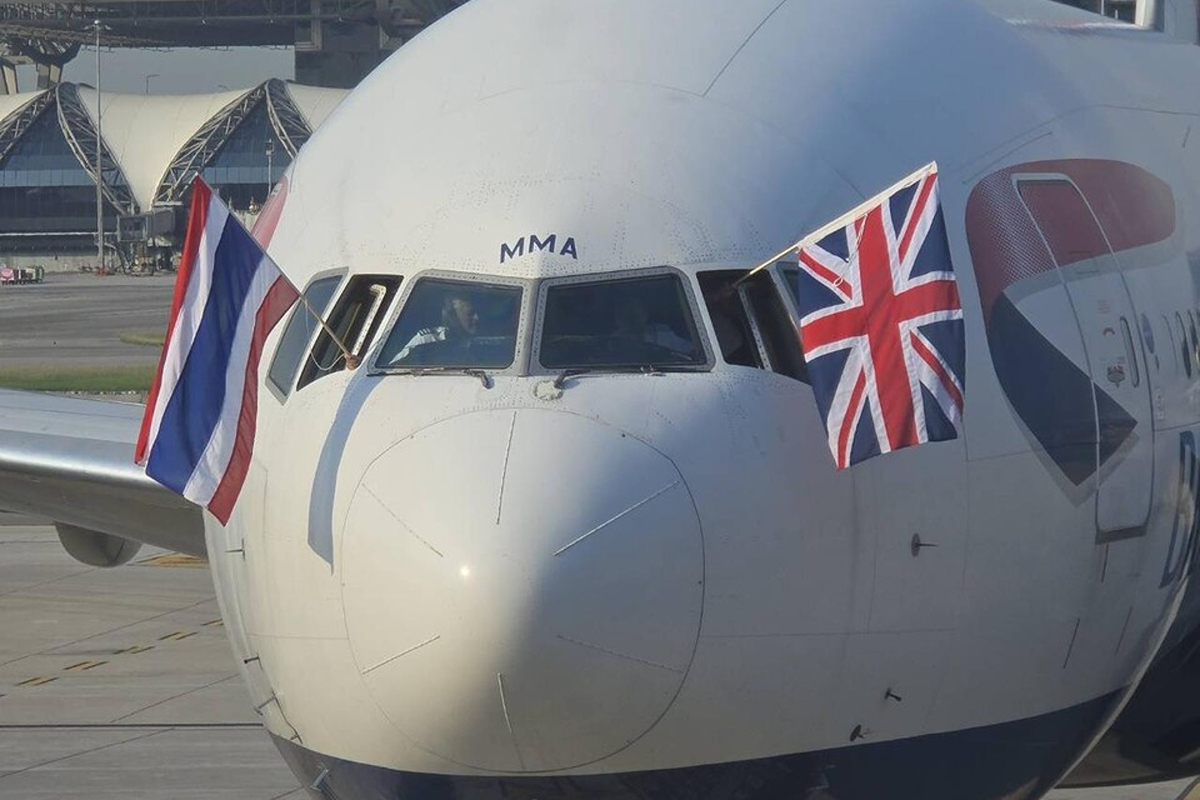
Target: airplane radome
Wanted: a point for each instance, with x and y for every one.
(521, 554)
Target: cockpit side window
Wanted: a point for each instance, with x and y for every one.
(760, 333)
(620, 324)
(449, 324)
(355, 320)
(779, 334)
(730, 318)
(299, 332)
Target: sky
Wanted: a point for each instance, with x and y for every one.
(181, 71)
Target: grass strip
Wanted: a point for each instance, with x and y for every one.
(144, 338)
(77, 379)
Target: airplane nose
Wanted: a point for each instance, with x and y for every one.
(522, 589)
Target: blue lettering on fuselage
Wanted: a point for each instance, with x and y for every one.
(539, 244)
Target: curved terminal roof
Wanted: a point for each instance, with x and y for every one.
(315, 102)
(150, 135)
(145, 132)
(12, 103)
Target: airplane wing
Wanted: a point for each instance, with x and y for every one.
(71, 460)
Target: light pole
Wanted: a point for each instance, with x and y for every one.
(99, 157)
(148, 77)
(270, 165)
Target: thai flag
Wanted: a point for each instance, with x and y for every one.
(198, 432)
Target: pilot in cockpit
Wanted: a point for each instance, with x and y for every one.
(460, 322)
(632, 322)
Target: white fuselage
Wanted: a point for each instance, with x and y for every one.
(642, 572)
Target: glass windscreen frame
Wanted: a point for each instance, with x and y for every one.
(686, 290)
(353, 322)
(384, 358)
(300, 331)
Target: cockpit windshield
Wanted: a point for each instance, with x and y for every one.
(636, 323)
(455, 324)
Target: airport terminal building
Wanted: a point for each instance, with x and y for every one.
(151, 147)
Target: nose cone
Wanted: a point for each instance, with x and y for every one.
(523, 588)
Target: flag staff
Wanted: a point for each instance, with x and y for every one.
(841, 221)
(352, 361)
(766, 264)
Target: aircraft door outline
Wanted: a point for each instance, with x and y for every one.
(1117, 361)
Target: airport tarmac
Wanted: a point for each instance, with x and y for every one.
(77, 319)
(119, 685)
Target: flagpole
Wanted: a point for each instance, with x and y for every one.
(842, 221)
(770, 261)
(352, 361)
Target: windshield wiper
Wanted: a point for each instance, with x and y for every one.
(482, 376)
(567, 374)
(644, 369)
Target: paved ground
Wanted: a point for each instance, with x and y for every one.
(77, 319)
(119, 684)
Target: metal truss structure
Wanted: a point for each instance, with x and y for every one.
(45, 31)
(80, 132)
(199, 151)
(289, 124)
(16, 124)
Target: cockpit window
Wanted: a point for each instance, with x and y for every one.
(752, 321)
(354, 322)
(299, 332)
(638, 323)
(455, 324)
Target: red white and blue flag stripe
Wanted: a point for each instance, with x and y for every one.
(882, 325)
(198, 431)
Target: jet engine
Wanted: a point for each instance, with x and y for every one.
(94, 548)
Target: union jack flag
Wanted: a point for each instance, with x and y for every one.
(881, 324)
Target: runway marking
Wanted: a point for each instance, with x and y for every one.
(627, 511)
(133, 651)
(174, 560)
(214, 623)
(177, 636)
(412, 649)
(84, 666)
(402, 523)
(208, 599)
(625, 656)
(1192, 792)
(41, 681)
